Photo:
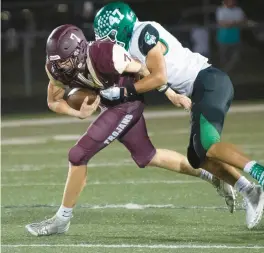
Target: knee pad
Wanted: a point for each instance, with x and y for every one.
(77, 156)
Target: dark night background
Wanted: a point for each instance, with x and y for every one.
(24, 80)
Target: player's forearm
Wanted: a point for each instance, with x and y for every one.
(137, 67)
(143, 71)
(150, 82)
(169, 93)
(61, 107)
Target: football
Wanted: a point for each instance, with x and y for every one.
(76, 96)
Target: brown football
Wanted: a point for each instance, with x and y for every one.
(77, 95)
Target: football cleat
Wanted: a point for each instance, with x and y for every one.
(226, 191)
(254, 206)
(47, 227)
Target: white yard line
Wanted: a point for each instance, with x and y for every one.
(67, 137)
(148, 115)
(132, 182)
(35, 167)
(74, 137)
(33, 151)
(128, 206)
(40, 151)
(133, 206)
(24, 141)
(140, 246)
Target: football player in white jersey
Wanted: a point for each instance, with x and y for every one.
(175, 68)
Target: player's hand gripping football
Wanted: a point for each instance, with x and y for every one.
(179, 100)
(87, 110)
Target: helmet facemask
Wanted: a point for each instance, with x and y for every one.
(73, 65)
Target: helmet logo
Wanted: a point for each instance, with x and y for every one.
(150, 39)
(74, 36)
(54, 57)
(76, 52)
(131, 14)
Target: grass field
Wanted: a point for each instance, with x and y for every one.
(123, 208)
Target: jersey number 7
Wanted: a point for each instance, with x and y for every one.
(126, 58)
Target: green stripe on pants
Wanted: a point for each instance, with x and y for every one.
(209, 134)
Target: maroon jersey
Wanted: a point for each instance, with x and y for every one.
(106, 62)
(105, 66)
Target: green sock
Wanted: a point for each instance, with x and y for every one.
(257, 172)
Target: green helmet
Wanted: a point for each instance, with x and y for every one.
(115, 21)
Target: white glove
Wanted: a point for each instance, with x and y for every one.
(112, 93)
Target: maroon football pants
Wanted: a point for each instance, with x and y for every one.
(124, 122)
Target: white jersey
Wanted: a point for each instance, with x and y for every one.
(182, 65)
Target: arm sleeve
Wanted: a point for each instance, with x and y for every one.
(148, 38)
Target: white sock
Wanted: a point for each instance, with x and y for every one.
(207, 176)
(64, 213)
(249, 166)
(242, 185)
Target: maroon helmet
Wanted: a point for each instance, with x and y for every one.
(67, 51)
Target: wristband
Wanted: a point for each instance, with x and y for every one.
(131, 90)
(163, 88)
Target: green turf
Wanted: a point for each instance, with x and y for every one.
(33, 176)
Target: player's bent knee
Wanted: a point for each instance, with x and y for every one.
(211, 143)
(141, 163)
(77, 156)
(212, 151)
(193, 158)
(155, 161)
(198, 151)
(144, 161)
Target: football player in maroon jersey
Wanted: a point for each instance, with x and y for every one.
(73, 62)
